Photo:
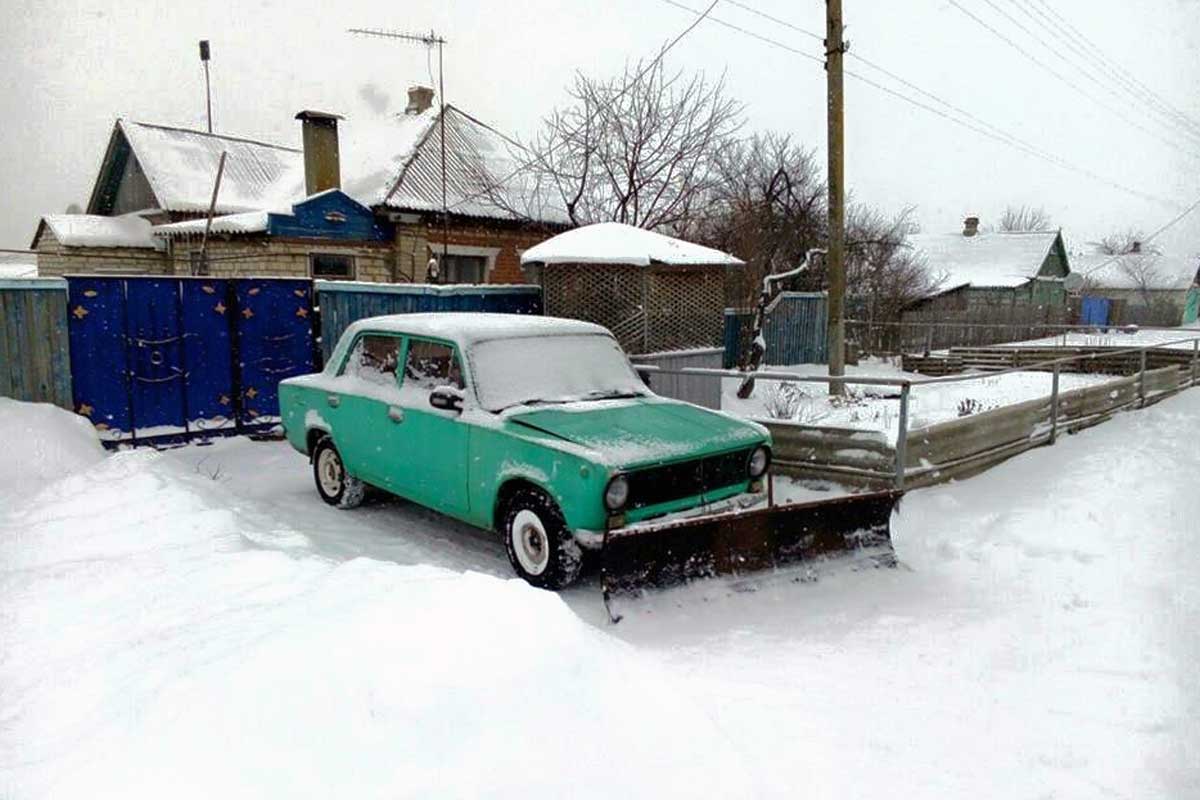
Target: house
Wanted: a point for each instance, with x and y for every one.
(366, 208)
(654, 292)
(1012, 280)
(1140, 287)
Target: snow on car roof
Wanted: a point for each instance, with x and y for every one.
(467, 328)
(617, 243)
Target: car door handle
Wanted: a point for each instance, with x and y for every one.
(333, 400)
(395, 414)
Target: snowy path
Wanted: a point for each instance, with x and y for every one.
(162, 631)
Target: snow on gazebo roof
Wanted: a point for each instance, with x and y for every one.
(617, 243)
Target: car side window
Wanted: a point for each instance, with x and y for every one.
(430, 365)
(374, 359)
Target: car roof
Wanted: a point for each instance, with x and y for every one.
(467, 327)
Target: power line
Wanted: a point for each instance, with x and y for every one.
(1087, 69)
(1025, 52)
(1073, 34)
(657, 59)
(981, 128)
(1175, 221)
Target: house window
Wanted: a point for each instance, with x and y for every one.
(431, 364)
(331, 265)
(464, 269)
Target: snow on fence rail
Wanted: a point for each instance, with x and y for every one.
(962, 447)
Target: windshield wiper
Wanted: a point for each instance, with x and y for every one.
(612, 394)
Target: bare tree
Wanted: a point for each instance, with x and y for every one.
(640, 148)
(1025, 219)
(767, 205)
(1126, 242)
(883, 274)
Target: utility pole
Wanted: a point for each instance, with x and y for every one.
(835, 50)
(204, 56)
(429, 40)
(212, 208)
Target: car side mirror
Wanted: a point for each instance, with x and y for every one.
(446, 398)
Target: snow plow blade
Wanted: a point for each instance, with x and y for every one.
(745, 543)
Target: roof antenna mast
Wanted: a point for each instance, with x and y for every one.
(429, 40)
(204, 55)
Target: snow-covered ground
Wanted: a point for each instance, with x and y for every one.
(197, 623)
(1118, 337)
(878, 407)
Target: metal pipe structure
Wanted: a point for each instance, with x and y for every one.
(1054, 406)
(902, 438)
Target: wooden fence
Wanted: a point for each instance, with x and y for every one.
(35, 359)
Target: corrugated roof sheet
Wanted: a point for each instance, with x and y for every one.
(181, 166)
(484, 174)
(1000, 260)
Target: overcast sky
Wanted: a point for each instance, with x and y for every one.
(72, 68)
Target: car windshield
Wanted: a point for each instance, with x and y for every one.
(551, 369)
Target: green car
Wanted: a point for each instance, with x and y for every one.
(538, 428)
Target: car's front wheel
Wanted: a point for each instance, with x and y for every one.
(540, 547)
(336, 486)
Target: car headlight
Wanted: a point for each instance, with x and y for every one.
(760, 459)
(617, 493)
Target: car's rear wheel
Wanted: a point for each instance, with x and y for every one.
(336, 486)
(540, 548)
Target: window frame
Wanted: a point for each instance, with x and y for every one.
(409, 339)
(349, 276)
(401, 348)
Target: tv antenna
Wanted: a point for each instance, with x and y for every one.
(430, 40)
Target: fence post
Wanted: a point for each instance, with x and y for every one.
(1054, 406)
(1142, 378)
(1195, 358)
(902, 436)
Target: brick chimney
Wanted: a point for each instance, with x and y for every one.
(420, 98)
(322, 162)
(970, 226)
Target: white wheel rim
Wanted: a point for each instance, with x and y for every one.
(329, 472)
(530, 542)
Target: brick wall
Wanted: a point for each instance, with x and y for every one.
(415, 244)
(276, 258)
(55, 259)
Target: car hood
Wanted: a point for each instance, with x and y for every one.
(629, 433)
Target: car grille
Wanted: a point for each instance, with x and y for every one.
(649, 487)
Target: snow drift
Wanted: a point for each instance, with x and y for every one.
(41, 442)
(163, 642)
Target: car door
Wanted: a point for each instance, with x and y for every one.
(432, 442)
(364, 406)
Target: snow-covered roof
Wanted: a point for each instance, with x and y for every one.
(90, 230)
(985, 260)
(1135, 270)
(246, 222)
(181, 165)
(617, 243)
(397, 163)
(13, 266)
(466, 328)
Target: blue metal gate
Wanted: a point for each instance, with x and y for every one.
(166, 357)
(794, 330)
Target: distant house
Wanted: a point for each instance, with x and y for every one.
(368, 208)
(1139, 287)
(1002, 279)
